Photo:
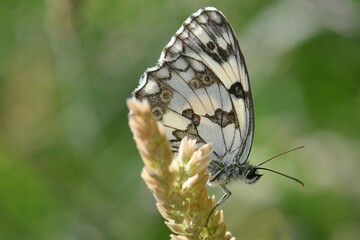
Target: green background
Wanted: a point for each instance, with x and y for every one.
(69, 168)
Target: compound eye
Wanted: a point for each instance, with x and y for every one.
(251, 176)
(250, 173)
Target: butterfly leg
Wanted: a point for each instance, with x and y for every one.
(215, 169)
(227, 194)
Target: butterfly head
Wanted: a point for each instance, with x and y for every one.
(252, 175)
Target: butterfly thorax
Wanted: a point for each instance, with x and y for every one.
(221, 174)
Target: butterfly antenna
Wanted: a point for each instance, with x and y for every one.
(291, 150)
(282, 174)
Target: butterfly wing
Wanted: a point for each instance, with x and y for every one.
(200, 88)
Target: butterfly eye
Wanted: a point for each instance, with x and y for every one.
(251, 176)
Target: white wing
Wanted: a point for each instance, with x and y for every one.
(200, 88)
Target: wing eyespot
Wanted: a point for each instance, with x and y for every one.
(207, 80)
(157, 112)
(194, 83)
(166, 96)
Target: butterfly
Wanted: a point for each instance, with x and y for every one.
(200, 88)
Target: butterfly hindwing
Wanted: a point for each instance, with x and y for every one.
(200, 88)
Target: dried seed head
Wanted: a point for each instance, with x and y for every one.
(178, 184)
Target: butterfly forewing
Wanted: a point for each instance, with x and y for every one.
(200, 88)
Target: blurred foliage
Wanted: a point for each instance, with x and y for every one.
(68, 165)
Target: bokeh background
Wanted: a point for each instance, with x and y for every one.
(69, 168)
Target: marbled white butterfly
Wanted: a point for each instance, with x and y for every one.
(200, 88)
